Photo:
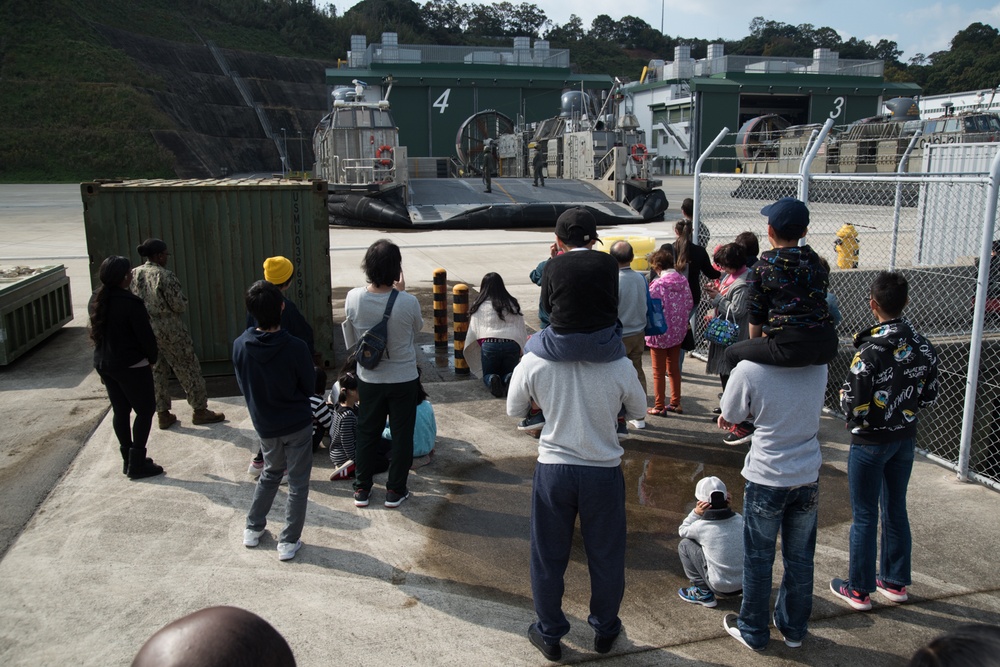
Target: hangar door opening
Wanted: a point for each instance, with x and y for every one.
(793, 108)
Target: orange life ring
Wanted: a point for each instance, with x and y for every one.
(385, 161)
(639, 152)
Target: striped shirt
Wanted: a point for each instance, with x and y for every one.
(322, 416)
(343, 434)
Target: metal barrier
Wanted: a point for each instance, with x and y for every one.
(939, 231)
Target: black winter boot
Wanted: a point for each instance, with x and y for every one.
(124, 450)
(139, 466)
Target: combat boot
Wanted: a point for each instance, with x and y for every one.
(139, 466)
(166, 419)
(206, 416)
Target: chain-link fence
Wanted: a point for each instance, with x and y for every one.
(931, 229)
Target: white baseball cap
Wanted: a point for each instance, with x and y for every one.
(707, 486)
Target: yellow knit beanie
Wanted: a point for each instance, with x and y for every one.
(277, 270)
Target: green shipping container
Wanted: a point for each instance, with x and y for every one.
(33, 306)
(219, 233)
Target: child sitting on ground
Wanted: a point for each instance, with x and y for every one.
(711, 550)
(344, 432)
(790, 323)
(424, 430)
(322, 416)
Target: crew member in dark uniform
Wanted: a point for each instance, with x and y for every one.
(489, 164)
(537, 164)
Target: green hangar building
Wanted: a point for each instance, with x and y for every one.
(437, 90)
(684, 104)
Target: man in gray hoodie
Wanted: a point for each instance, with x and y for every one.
(578, 473)
(781, 494)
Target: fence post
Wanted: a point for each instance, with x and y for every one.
(696, 214)
(440, 308)
(899, 199)
(809, 157)
(460, 306)
(978, 316)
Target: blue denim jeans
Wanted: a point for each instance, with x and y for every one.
(559, 494)
(499, 359)
(877, 477)
(294, 453)
(768, 511)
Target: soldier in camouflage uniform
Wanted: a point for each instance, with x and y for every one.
(161, 292)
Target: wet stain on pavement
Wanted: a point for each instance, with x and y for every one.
(480, 537)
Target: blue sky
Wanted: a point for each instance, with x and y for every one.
(917, 26)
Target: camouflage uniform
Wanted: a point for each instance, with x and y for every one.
(160, 290)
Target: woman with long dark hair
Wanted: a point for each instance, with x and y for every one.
(124, 349)
(496, 335)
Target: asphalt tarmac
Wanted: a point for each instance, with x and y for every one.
(94, 563)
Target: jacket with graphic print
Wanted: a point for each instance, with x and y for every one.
(893, 374)
(788, 293)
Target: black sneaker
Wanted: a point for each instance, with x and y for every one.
(740, 434)
(552, 652)
(361, 497)
(496, 386)
(604, 644)
(393, 499)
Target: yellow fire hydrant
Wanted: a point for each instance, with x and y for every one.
(846, 246)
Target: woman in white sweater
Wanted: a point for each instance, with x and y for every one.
(496, 334)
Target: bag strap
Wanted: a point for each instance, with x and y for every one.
(388, 307)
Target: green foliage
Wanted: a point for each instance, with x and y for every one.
(973, 62)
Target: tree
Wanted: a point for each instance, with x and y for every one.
(973, 62)
(445, 16)
(604, 28)
(976, 36)
(485, 20)
(630, 31)
(571, 31)
(526, 19)
(887, 51)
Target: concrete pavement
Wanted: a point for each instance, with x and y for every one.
(104, 562)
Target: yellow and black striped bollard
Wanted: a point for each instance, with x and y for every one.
(440, 308)
(460, 308)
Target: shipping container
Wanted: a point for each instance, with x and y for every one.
(34, 304)
(219, 232)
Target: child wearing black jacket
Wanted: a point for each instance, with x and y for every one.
(892, 376)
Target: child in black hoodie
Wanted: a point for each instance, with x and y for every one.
(893, 374)
(275, 372)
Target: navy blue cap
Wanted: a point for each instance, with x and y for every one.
(788, 216)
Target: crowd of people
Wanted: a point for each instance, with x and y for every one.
(576, 384)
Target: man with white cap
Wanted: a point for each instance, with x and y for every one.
(711, 548)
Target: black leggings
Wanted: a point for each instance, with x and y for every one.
(131, 389)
